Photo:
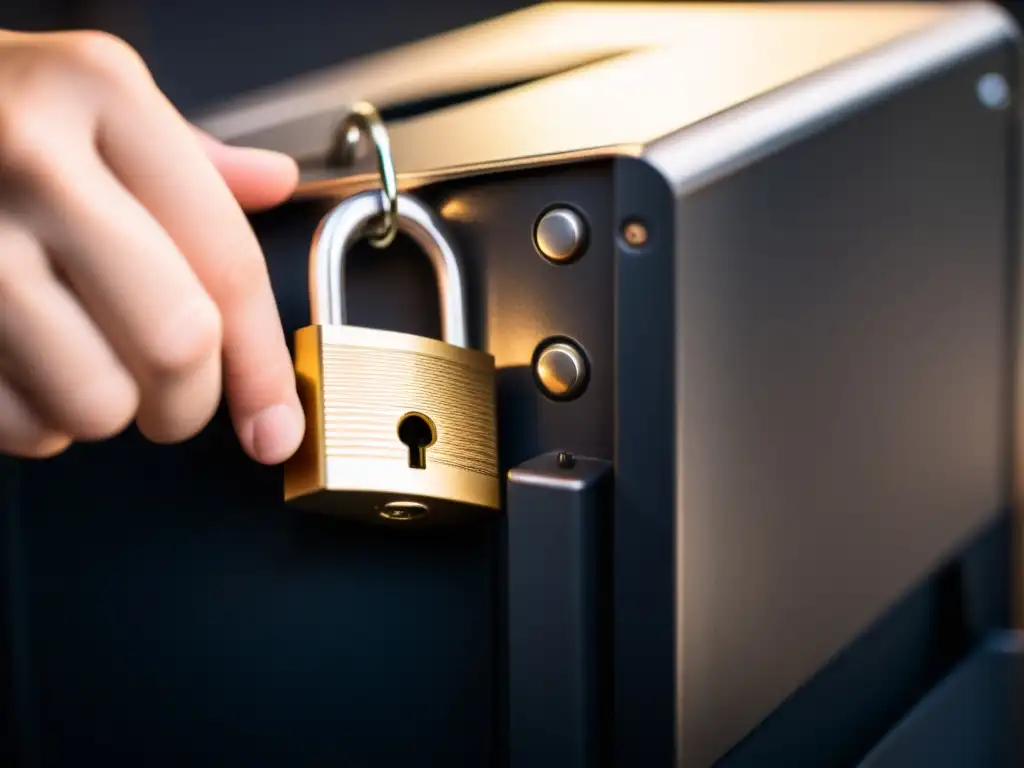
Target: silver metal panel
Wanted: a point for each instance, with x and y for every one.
(843, 358)
(701, 152)
(574, 80)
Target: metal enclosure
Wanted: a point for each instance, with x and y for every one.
(799, 410)
(973, 718)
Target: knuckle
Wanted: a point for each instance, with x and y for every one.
(23, 132)
(185, 340)
(45, 85)
(39, 86)
(106, 56)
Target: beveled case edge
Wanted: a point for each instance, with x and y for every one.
(637, 43)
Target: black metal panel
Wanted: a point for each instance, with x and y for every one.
(646, 471)
(843, 319)
(557, 528)
(170, 610)
(522, 299)
(974, 718)
(840, 714)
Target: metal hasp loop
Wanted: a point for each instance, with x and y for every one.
(346, 224)
(363, 119)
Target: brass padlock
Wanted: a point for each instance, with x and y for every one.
(397, 425)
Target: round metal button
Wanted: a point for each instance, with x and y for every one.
(560, 234)
(561, 370)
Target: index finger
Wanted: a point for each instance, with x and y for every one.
(158, 157)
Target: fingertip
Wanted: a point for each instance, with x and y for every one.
(266, 164)
(48, 446)
(22, 432)
(274, 434)
(258, 178)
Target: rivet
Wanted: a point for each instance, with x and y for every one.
(635, 234)
(560, 370)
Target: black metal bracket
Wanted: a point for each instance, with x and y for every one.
(559, 611)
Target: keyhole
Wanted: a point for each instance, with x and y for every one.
(417, 433)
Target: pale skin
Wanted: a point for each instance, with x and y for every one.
(132, 288)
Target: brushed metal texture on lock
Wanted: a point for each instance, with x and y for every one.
(357, 384)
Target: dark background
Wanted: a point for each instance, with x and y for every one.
(201, 51)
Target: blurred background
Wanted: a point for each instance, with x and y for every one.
(202, 51)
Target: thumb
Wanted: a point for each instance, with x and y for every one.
(258, 178)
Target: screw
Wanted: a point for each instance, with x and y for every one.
(566, 460)
(635, 233)
(993, 91)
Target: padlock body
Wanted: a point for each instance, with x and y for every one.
(357, 385)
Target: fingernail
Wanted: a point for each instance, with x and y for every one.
(276, 433)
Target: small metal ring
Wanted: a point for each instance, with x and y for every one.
(364, 118)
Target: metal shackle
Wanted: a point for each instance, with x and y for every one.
(346, 224)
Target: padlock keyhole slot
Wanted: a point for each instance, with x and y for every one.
(417, 433)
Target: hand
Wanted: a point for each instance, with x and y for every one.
(131, 284)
